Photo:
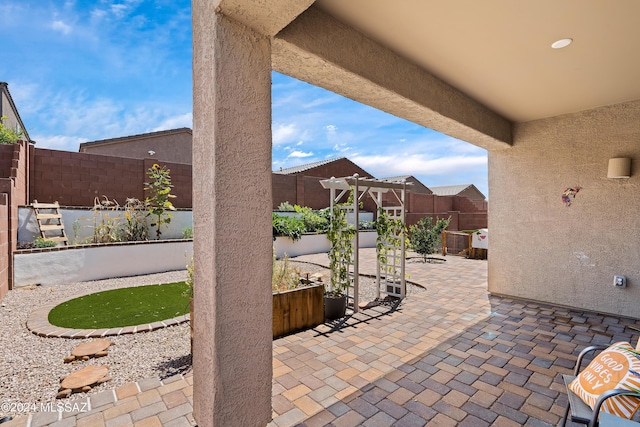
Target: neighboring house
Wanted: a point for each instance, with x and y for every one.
(167, 145)
(336, 167)
(301, 184)
(418, 187)
(8, 109)
(468, 190)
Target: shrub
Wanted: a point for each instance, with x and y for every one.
(8, 136)
(106, 228)
(41, 242)
(187, 233)
(313, 221)
(426, 236)
(284, 276)
(286, 207)
(290, 227)
(134, 227)
(367, 225)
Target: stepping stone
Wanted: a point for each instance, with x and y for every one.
(83, 380)
(84, 351)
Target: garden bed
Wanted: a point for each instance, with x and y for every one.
(297, 309)
(62, 265)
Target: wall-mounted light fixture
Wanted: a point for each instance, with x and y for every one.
(619, 167)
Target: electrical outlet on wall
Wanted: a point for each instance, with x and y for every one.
(619, 281)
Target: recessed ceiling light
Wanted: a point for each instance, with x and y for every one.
(561, 43)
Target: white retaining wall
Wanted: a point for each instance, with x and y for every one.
(317, 243)
(58, 266)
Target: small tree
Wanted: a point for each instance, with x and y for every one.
(426, 237)
(159, 200)
(8, 136)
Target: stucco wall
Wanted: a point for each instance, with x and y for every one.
(543, 250)
(173, 147)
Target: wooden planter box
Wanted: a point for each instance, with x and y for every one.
(297, 310)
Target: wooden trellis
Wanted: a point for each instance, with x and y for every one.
(390, 275)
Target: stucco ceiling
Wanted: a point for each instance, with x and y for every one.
(500, 54)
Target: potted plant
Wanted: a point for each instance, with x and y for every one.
(340, 235)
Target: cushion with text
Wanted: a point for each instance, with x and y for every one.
(617, 367)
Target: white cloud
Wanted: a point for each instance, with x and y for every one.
(284, 133)
(182, 121)
(58, 25)
(390, 165)
(58, 142)
(119, 10)
(300, 154)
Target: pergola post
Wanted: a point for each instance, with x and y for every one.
(232, 351)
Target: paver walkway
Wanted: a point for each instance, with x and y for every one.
(452, 355)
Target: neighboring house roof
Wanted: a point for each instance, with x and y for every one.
(418, 186)
(5, 94)
(454, 190)
(307, 166)
(133, 137)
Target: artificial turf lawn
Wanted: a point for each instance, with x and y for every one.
(122, 307)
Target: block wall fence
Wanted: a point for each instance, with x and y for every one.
(76, 179)
(28, 173)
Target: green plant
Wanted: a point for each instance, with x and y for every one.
(340, 234)
(390, 235)
(159, 200)
(426, 236)
(106, 228)
(287, 226)
(284, 277)
(366, 225)
(189, 282)
(76, 231)
(187, 233)
(8, 136)
(286, 207)
(313, 221)
(41, 242)
(134, 227)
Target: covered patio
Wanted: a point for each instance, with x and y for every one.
(450, 355)
(549, 118)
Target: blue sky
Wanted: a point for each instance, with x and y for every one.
(86, 70)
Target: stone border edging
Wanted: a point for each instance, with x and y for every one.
(38, 323)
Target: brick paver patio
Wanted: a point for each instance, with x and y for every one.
(452, 355)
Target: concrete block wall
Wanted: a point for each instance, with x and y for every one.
(284, 189)
(14, 160)
(76, 179)
(6, 155)
(5, 250)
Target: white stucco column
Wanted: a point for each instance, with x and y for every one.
(232, 357)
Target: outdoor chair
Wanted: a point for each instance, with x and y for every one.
(581, 413)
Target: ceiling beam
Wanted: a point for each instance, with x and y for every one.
(267, 17)
(320, 50)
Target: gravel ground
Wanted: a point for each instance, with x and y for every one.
(31, 366)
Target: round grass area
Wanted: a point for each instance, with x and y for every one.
(122, 307)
